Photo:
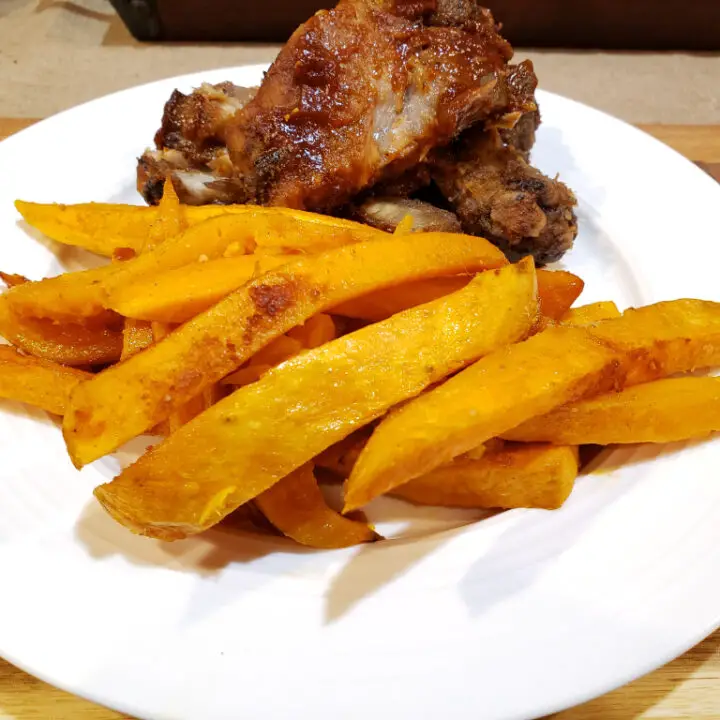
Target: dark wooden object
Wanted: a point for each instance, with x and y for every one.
(616, 24)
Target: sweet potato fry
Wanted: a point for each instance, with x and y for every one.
(178, 295)
(81, 295)
(499, 475)
(137, 335)
(246, 375)
(517, 476)
(297, 508)
(171, 220)
(37, 382)
(382, 304)
(277, 351)
(71, 297)
(98, 227)
(592, 313)
(67, 344)
(247, 442)
(273, 230)
(341, 457)
(13, 279)
(656, 412)
(102, 228)
(269, 230)
(316, 331)
(555, 367)
(202, 242)
(85, 294)
(405, 226)
(665, 338)
(126, 400)
(485, 400)
(193, 407)
(557, 290)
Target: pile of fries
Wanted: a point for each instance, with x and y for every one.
(259, 344)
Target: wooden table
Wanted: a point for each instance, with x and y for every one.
(686, 689)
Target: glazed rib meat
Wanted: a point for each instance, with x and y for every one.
(191, 146)
(496, 194)
(359, 95)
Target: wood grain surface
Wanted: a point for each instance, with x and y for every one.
(686, 689)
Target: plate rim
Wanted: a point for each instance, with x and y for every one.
(181, 79)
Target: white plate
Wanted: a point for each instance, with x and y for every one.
(522, 614)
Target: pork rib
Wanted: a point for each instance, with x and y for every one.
(358, 95)
(496, 194)
(191, 146)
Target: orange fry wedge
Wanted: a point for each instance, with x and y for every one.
(488, 398)
(656, 412)
(507, 388)
(71, 297)
(516, 476)
(102, 228)
(13, 279)
(341, 457)
(663, 339)
(37, 382)
(98, 227)
(137, 335)
(126, 400)
(297, 508)
(81, 296)
(495, 475)
(78, 295)
(316, 331)
(171, 220)
(67, 344)
(85, 294)
(247, 442)
(592, 313)
(177, 295)
(557, 291)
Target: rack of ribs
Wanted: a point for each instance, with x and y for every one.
(361, 97)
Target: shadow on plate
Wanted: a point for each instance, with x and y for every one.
(235, 540)
(599, 460)
(521, 553)
(68, 257)
(373, 567)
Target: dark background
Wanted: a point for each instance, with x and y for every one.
(611, 24)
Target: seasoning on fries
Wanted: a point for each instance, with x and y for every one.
(266, 342)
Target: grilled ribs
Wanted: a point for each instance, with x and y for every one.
(359, 94)
(369, 99)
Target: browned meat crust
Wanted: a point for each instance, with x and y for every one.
(359, 94)
(368, 100)
(522, 135)
(191, 147)
(496, 194)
